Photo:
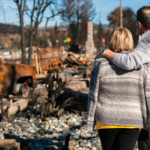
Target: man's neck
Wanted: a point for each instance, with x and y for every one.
(144, 31)
(144, 34)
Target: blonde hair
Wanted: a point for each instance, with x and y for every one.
(120, 39)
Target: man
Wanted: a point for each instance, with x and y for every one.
(141, 54)
(135, 59)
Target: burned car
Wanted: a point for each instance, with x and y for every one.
(16, 79)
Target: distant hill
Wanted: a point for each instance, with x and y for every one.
(65, 28)
(49, 29)
(13, 29)
(9, 28)
(105, 26)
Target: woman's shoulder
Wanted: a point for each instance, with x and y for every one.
(102, 61)
(146, 67)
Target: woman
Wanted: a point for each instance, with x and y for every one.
(118, 98)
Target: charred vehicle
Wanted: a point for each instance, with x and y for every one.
(16, 78)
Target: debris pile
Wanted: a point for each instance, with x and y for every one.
(72, 59)
(75, 59)
(28, 129)
(54, 72)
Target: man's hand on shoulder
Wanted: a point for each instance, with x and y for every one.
(101, 54)
(106, 53)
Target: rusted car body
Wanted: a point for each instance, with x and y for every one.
(16, 78)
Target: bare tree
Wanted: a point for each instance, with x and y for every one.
(46, 23)
(84, 11)
(54, 12)
(36, 16)
(77, 11)
(82, 36)
(54, 35)
(21, 5)
(68, 12)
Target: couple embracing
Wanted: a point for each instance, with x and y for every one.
(119, 95)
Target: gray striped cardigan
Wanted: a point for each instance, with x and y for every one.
(117, 96)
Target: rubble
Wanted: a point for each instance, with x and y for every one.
(72, 59)
(31, 132)
(45, 59)
(9, 144)
(75, 59)
(17, 106)
(60, 72)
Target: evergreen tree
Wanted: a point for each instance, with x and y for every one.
(100, 32)
(100, 37)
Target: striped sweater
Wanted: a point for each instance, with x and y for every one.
(117, 96)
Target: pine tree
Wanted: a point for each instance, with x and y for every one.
(100, 36)
(100, 32)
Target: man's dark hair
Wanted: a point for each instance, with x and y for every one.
(143, 16)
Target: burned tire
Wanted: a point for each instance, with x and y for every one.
(22, 89)
(25, 89)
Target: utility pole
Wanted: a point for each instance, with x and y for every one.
(121, 15)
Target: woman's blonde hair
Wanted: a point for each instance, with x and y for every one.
(120, 39)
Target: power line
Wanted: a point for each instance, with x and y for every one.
(100, 15)
(121, 24)
(4, 13)
(2, 7)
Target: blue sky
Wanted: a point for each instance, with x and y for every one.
(103, 7)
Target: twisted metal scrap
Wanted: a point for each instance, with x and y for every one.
(50, 108)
